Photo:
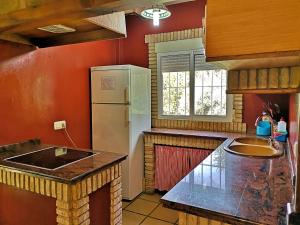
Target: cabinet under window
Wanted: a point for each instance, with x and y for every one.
(190, 88)
(173, 163)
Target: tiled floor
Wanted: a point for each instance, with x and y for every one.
(147, 210)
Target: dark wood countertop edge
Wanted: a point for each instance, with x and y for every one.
(193, 133)
(81, 177)
(62, 180)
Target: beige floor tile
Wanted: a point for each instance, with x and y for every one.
(130, 218)
(165, 214)
(125, 204)
(151, 221)
(151, 197)
(142, 206)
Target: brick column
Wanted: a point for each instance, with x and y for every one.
(149, 166)
(73, 212)
(116, 202)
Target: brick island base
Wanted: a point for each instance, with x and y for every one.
(69, 204)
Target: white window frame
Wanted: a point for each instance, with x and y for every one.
(192, 116)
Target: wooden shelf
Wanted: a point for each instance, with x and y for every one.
(261, 61)
(264, 91)
(277, 80)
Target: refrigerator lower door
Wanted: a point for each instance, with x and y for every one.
(111, 132)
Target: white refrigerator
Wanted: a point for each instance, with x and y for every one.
(121, 111)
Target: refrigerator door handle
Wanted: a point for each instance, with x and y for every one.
(126, 95)
(127, 115)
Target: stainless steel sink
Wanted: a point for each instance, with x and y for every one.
(256, 151)
(253, 147)
(253, 141)
(50, 158)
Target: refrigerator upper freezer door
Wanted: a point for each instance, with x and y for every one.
(110, 86)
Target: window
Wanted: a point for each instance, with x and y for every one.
(190, 88)
(176, 79)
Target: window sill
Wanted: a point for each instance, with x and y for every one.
(198, 118)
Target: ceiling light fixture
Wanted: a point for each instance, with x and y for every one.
(156, 13)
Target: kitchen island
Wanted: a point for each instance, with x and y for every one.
(86, 191)
(227, 188)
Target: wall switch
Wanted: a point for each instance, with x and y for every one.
(58, 125)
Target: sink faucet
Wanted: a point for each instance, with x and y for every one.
(271, 141)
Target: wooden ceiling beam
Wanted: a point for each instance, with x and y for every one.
(77, 37)
(178, 2)
(138, 10)
(16, 39)
(16, 13)
(46, 22)
(13, 6)
(19, 19)
(16, 5)
(133, 4)
(49, 9)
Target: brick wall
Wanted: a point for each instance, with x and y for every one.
(280, 79)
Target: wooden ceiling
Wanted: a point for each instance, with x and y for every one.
(20, 19)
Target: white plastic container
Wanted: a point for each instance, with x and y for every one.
(282, 125)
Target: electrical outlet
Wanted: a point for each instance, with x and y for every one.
(58, 125)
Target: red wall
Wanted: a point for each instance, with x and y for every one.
(19, 207)
(293, 119)
(293, 125)
(100, 206)
(253, 106)
(32, 208)
(45, 85)
(184, 16)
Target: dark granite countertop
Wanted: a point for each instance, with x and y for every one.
(70, 173)
(192, 133)
(232, 188)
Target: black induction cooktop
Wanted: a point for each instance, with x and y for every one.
(50, 158)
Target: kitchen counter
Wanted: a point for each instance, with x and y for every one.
(193, 133)
(86, 191)
(231, 188)
(67, 174)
